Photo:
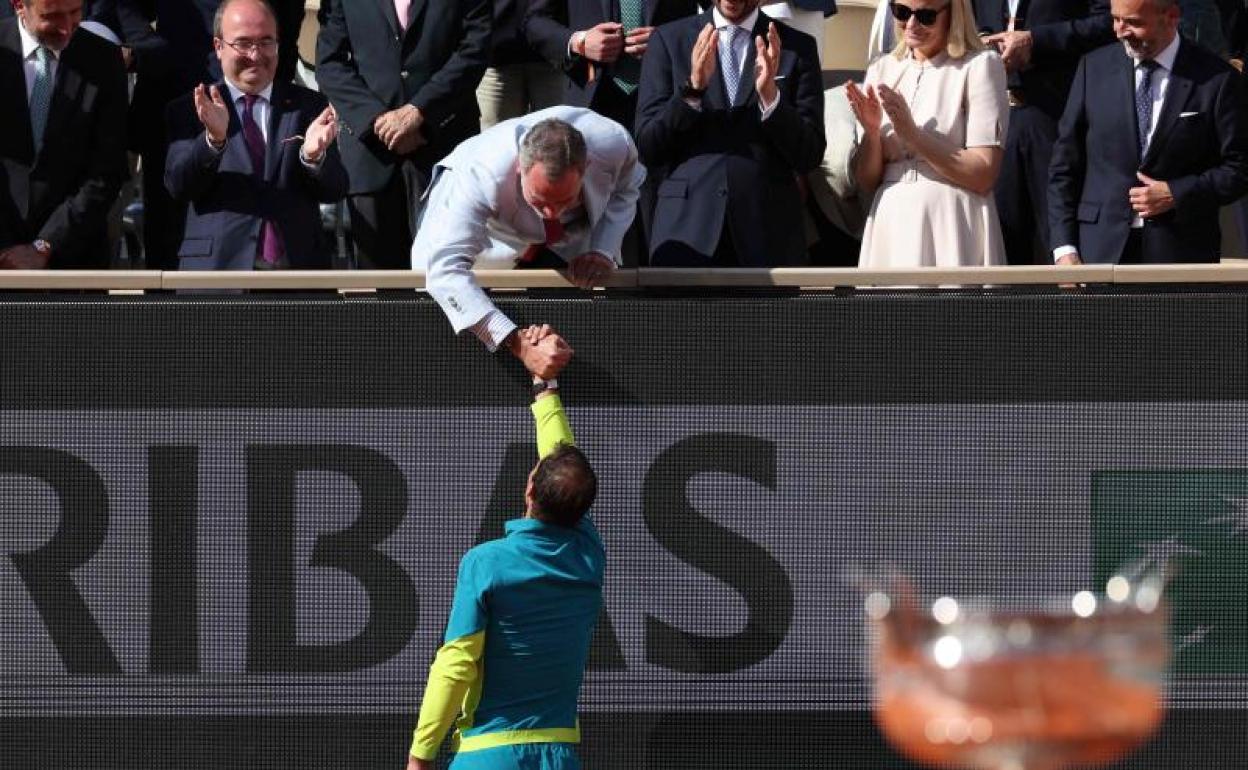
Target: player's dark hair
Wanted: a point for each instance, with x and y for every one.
(564, 486)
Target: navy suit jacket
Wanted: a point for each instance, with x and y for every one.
(63, 194)
(549, 25)
(1199, 147)
(1061, 32)
(726, 166)
(228, 204)
(367, 64)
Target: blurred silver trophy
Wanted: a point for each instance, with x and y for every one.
(972, 685)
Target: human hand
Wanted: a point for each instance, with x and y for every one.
(544, 358)
(23, 257)
(894, 105)
(635, 42)
(1014, 47)
(767, 64)
(400, 130)
(705, 50)
(590, 269)
(536, 333)
(604, 42)
(320, 135)
(212, 112)
(418, 764)
(866, 107)
(1152, 199)
(1067, 260)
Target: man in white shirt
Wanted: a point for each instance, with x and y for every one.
(557, 188)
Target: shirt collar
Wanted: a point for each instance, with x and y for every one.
(746, 24)
(237, 93)
(1165, 59)
(29, 43)
(526, 524)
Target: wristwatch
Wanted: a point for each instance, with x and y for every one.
(687, 91)
(540, 386)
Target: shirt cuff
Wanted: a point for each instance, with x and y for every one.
(1063, 251)
(493, 329)
(769, 108)
(310, 165)
(213, 147)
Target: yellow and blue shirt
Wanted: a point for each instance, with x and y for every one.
(513, 657)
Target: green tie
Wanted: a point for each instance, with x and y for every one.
(41, 95)
(628, 68)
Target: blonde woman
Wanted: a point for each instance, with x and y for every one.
(932, 119)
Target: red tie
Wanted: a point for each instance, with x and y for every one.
(554, 234)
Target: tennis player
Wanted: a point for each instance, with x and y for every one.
(510, 668)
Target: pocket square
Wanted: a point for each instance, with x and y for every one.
(1187, 114)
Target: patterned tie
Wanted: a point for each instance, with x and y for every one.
(729, 60)
(400, 9)
(554, 234)
(627, 68)
(1144, 101)
(41, 95)
(270, 249)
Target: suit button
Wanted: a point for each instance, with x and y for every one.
(403, 73)
(723, 192)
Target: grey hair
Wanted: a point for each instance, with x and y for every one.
(219, 16)
(557, 145)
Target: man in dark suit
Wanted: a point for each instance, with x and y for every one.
(598, 45)
(62, 150)
(517, 80)
(1040, 42)
(405, 90)
(252, 157)
(1152, 142)
(732, 104)
(169, 61)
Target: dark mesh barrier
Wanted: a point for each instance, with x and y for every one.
(229, 525)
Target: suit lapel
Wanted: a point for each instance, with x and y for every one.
(281, 113)
(413, 13)
(1178, 89)
(13, 91)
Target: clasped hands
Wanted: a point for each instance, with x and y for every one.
(603, 43)
(214, 116)
(543, 352)
(766, 62)
(401, 130)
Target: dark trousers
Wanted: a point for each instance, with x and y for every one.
(383, 224)
(1133, 250)
(1022, 188)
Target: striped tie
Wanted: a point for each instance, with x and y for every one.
(41, 95)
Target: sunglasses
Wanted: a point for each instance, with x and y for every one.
(925, 16)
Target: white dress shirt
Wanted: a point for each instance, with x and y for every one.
(29, 59)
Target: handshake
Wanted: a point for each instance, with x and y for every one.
(543, 352)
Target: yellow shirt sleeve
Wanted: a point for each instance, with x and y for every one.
(553, 427)
(454, 669)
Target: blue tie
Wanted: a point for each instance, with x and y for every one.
(1144, 101)
(41, 95)
(729, 61)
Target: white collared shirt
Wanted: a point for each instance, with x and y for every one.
(260, 111)
(29, 59)
(744, 42)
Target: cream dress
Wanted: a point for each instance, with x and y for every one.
(918, 218)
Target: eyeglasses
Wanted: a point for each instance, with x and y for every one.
(925, 16)
(247, 47)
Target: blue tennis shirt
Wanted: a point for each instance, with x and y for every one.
(511, 663)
